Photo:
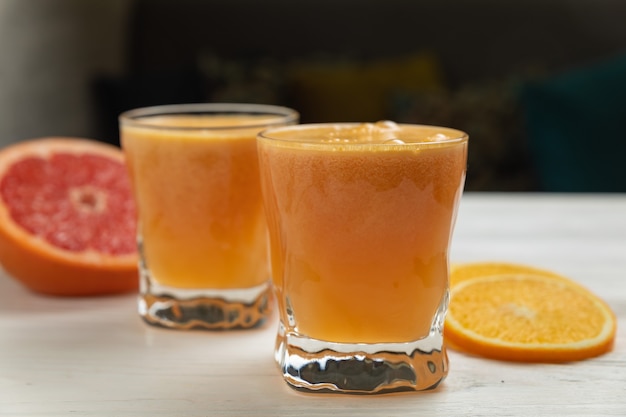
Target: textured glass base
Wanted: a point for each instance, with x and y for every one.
(203, 309)
(315, 365)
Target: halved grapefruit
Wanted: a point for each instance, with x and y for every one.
(67, 217)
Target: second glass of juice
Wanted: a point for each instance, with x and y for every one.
(201, 226)
(360, 220)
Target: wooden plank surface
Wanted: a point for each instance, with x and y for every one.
(95, 357)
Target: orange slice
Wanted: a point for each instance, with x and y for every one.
(529, 318)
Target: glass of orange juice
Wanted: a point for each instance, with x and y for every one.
(202, 234)
(360, 221)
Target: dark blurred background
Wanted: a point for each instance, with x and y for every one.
(540, 86)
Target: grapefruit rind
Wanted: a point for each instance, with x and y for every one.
(477, 342)
(45, 268)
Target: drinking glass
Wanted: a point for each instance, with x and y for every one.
(360, 222)
(201, 227)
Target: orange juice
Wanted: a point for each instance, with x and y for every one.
(199, 202)
(360, 227)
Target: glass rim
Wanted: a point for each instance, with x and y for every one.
(283, 115)
(268, 134)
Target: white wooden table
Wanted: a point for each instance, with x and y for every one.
(94, 357)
